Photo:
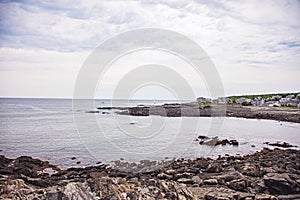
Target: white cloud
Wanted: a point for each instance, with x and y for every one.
(254, 44)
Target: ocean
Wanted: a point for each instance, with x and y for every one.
(51, 129)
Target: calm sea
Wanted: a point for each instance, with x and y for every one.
(50, 129)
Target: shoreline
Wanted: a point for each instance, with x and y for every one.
(267, 174)
(212, 110)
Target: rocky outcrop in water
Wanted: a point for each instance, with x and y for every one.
(268, 174)
(214, 141)
(214, 110)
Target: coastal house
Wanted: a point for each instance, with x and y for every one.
(204, 100)
(258, 101)
(291, 96)
(243, 100)
(293, 103)
(223, 100)
(276, 98)
(284, 100)
(273, 104)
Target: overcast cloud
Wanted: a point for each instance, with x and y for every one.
(255, 45)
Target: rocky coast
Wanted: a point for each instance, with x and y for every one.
(213, 110)
(267, 174)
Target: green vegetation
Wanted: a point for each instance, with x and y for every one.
(204, 103)
(246, 104)
(265, 96)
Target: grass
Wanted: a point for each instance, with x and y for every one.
(265, 96)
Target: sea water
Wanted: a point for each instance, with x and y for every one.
(51, 129)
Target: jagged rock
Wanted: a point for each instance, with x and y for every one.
(251, 170)
(229, 176)
(185, 180)
(289, 197)
(197, 180)
(223, 142)
(203, 137)
(214, 168)
(239, 185)
(280, 144)
(280, 184)
(264, 197)
(164, 176)
(210, 181)
(54, 195)
(240, 178)
(183, 175)
(234, 142)
(170, 171)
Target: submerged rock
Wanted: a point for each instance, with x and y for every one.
(280, 144)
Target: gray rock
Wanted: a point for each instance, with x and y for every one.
(170, 171)
(197, 180)
(251, 170)
(183, 175)
(264, 197)
(289, 197)
(229, 176)
(239, 185)
(164, 176)
(77, 191)
(280, 184)
(185, 180)
(214, 168)
(210, 181)
(54, 195)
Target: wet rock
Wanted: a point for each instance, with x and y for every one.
(223, 142)
(203, 137)
(280, 184)
(280, 144)
(92, 111)
(234, 142)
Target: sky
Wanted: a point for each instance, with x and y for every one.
(255, 45)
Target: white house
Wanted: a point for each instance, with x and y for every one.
(204, 100)
(290, 96)
(258, 101)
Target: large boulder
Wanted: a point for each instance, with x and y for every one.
(280, 184)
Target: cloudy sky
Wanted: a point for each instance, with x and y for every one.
(255, 45)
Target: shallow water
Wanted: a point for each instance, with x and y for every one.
(45, 128)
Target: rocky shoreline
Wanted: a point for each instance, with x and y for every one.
(268, 174)
(212, 110)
